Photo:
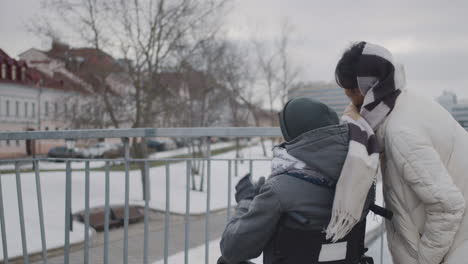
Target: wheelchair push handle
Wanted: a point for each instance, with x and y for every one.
(383, 212)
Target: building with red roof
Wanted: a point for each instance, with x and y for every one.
(32, 100)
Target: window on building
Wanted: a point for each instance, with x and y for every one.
(23, 73)
(4, 71)
(13, 72)
(7, 110)
(55, 109)
(46, 109)
(65, 108)
(17, 143)
(33, 106)
(17, 110)
(8, 142)
(46, 128)
(25, 109)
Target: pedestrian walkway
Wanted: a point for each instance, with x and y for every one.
(156, 239)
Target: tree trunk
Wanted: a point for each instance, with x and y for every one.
(202, 171)
(140, 152)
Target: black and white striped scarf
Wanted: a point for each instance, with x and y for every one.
(376, 80)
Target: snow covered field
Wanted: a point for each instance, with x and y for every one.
(53, 192)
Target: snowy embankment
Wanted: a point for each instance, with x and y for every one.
(53, 195)
(51, 165)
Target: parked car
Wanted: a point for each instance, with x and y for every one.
(64, 152)
(116, 152)
(99, 150)
(180, 142)
(169, 143)
(155, 145)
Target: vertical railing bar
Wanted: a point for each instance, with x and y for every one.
(208, 199)
(86, 234)
(187, 211)
(167, 219)
(251, 168)
(127, 197)
(67, 212)
(41, 211)
(236, 168)
(21, 213)
(229, 190)
(145, 243)
(107, 215)
(2, 225)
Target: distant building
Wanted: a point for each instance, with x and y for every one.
(458, 109)
(30, 100)
(328, 93)
(460, 113)
(447, 100)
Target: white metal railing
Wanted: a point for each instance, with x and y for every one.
(124, 134)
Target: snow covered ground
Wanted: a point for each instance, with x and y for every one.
(53, 192)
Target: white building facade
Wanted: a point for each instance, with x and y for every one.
(29, 100)
(458, 108)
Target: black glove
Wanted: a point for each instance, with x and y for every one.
(246, 189)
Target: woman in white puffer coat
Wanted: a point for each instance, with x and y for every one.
(424, 158)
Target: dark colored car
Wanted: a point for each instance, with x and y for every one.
(63, 152)
(156, 145)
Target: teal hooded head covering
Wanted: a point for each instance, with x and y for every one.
(304, 114)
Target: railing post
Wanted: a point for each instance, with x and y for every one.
(68, 218)
(21, 213)
(146, 214)
(167, 218)
(208, 199)
(229, 189)
(127, 197)
(40, 209)
(187, 211)
(86, 234)
(107, 215)
(2, 225)
(236, 168)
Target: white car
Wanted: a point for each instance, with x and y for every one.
(98, 150)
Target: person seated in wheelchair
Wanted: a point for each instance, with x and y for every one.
(285, 216)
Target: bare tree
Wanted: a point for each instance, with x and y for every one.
(237, 72)
(268, 68)
(153, 37)
(288, 73)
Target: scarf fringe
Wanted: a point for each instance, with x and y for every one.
(340, 225)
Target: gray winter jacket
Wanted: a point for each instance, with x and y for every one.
(254, 222)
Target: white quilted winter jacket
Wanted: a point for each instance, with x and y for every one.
(425, 176)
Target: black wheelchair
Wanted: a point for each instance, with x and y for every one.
(299, 246)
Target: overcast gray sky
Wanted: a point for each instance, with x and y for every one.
(429, 37)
